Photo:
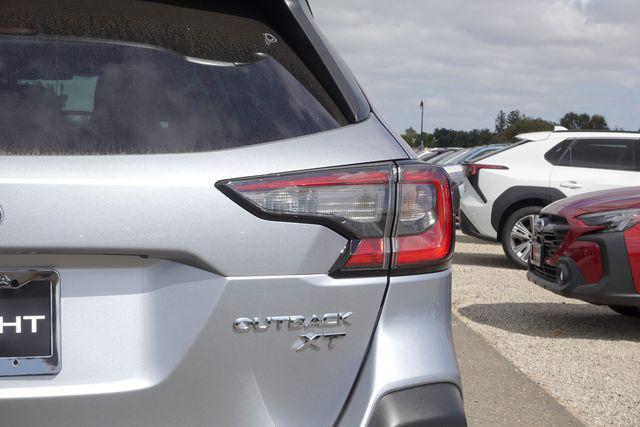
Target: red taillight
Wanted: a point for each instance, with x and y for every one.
(367, 253)
(423, 232)
(472, 169)
(399, 214)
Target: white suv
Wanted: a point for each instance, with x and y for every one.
(505, 191)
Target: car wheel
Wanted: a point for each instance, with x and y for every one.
(517, 233)
(626, 310)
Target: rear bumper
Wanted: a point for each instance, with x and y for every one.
(616, 286)
(478, 213)
(429, 405)
(467, 227)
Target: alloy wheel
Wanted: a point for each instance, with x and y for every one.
(521, 235)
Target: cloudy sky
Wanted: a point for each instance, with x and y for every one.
(468, 59)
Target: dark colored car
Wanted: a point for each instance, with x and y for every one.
(588, 247)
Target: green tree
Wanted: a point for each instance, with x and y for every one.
(411, 136)
(598, 122)
(460, 138)
(514, 116)
(573, 120)
(525, 125)
(501, 122)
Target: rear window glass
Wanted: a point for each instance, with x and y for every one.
(502, 149)
(185, 81)
(556, 156)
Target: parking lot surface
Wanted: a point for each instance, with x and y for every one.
(585, 357)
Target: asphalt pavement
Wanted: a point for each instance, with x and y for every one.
(496, 392)
(530, 357)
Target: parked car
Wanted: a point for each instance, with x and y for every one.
(444, 156)
(588, 247)
(469, 155)
(453, 166)
(204, 223)
(433, 154)
(505, 191)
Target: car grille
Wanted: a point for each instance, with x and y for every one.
(551, 237)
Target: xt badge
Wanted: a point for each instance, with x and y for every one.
(313, 341)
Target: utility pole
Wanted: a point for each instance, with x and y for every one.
(421, 124)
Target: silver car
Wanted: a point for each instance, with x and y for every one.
(205, 223)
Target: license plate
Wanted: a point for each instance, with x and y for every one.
(29, 322)
(536, 254)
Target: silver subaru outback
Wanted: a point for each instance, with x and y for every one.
(205, 223)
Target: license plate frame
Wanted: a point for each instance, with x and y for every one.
(536, 253)
(41, 363)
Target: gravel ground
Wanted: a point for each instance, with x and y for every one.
(587, 357)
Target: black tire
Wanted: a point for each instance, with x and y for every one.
(626, 310)
(525, 215)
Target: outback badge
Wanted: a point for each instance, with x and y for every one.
(292, 322)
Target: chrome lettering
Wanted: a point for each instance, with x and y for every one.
(257, 326)
(308, 340)
(242, 324)
(333, 336)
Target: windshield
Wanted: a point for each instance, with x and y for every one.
(438, 156)
(89, 97)
(485, 152)
(445, 156)
(458, 157)
(429, 155)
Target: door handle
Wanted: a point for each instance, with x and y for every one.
(571, 185)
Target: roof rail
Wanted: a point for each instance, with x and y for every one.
(559, 128)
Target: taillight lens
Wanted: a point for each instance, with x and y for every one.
(472, 169)
(353, 201)
(368, 205)
(423, 234)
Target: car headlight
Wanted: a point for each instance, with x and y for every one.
(618, 220)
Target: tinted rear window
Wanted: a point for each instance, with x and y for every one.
(616, 154)
(187, 80)
(556, 156)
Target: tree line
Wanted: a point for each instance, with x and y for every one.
(507, 126)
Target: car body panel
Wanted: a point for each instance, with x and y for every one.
(135, 204)
(596, 201)
(164, 324)
(164, 351)
(156, 264)
(528, 168)
(494, 182)
(573, 180)
(412, 344)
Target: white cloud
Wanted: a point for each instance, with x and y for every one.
(469, 59)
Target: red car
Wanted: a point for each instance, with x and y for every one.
(588, 247)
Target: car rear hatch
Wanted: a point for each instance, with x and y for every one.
(176, 300)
